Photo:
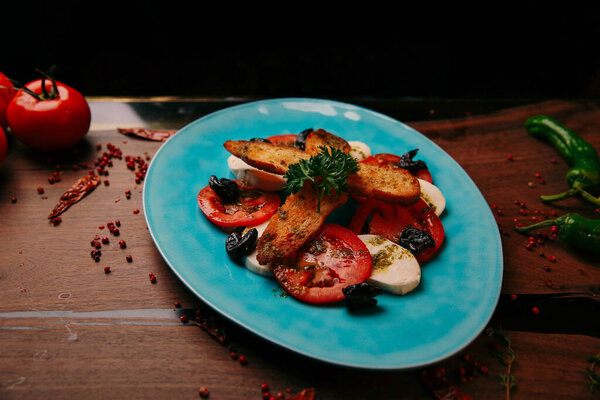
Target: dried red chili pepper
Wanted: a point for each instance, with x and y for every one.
(81, 188)
(159, 135)
(435, 380)
(305, 394)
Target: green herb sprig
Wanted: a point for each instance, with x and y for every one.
(328, 170)
(506, 355)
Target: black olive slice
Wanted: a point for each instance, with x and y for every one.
(301, 138)
(238, 245)
(361, 296)
(227, 189)
(407, 162)
(415, 240)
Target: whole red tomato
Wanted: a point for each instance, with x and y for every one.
(56, 119)
(6, 95)
(3, 146)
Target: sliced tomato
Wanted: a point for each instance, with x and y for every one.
(333, 259)
(386, 159)
(382, 159)
(389, 221)
(251, 208)
(286, 139)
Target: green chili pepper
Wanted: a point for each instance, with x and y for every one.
(573, 229)
(583, 158)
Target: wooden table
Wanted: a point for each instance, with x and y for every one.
(68, 330)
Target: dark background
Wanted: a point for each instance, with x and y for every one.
(174, 49)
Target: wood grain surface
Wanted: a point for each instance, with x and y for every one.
(68, 330)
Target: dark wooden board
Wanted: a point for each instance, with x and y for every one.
(69, 330)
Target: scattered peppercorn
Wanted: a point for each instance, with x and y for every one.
(242, 359)
(122, 244)
(535, 310)
(136, 211)
(510, 157)
(183, 319)
(129, 258)
(204, 392)
(107, 270)
(177, 304)
(40, 190)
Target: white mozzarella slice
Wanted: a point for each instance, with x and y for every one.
(250, 260)
(255, 177)
(394, 268)
(359, 150)
(433, 196)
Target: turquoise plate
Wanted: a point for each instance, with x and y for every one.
(450, 308)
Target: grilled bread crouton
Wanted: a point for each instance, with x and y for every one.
(295, 222)
(266, 156)
(386, 183)
(321, 138)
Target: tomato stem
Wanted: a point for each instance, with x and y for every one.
(53, 94)
(20, 86)
(50, 76)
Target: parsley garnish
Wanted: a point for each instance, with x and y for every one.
(328, 170)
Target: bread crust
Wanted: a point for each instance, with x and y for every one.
(294, 224)
(321, 138)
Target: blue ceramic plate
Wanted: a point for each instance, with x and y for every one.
(459, 288)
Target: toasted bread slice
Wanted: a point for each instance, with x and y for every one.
(386, 183)
(321, 138)
(295, 222)
(266, 156)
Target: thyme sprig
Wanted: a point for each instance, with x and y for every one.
(328, 171)
(506, 355)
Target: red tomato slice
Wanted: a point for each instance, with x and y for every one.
(252, 207)
(287, 139)
(389, 221)
(333, 259)
(382, 159)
